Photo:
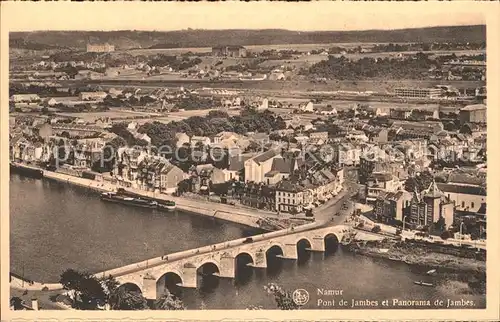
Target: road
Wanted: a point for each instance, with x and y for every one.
(331, 213)
(44, 298)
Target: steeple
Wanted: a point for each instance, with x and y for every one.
(433, 191)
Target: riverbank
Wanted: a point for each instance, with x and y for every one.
(451, 264)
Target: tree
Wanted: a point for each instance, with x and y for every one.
(283, 298)
(446, 234)
(123, 299)
(419, 182)
(169, 302)
(16, 303)
(72, 280)
(87, 289)
(110, 286)
(218, 114)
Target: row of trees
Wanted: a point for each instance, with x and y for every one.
(215, 122)
(174, 62)
(343, 68)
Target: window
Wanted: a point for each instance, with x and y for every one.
(472, 204)
(463, 204)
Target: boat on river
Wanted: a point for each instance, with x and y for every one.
(167, 205)
(423, 283)
(129, 201)
(431, 272)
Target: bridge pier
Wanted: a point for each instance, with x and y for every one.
(260, 259)
(189, 276)
(318, 244)
(290, 251)
(227, 267)
(149, 287)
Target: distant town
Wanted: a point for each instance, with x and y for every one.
(386, 139)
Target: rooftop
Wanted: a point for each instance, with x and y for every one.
(263, 157)
(455, 188)
(475, 107)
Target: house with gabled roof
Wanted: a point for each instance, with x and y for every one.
(257, 166)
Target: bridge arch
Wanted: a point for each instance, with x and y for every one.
(172, 281)
(332, 241)
(242, 271)
(301, 239)
(275, 247)
(130, 286)
(246, 254)
(213, 266)
(273, 261)
(303, 247)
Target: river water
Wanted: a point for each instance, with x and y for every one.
(54, 226)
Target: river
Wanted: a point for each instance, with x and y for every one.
(54, 226)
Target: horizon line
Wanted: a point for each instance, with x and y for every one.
(241, 29)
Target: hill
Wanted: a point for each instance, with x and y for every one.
(128, 39)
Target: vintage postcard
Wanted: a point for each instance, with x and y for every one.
(249, 161)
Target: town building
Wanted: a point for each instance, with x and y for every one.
(199, 140)
(182, 139)
(92, 96)
(76, 130)
(318, 137)
(88, 151)
(292, 198)
(392, 206)
(306, 107)
(466, 197)
(236, 167)
(24, 98)
(428, 206)
(473, 114)
(43, 130)
(378, 135)
(379, 183)
(418, 92)
(257, 166)
(229, 51)
(423, 129)
(126, 169)
(400, 113)
(298, 194)
(100, 48)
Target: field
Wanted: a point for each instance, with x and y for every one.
(167, 51)
(284, 88)
(114, 113)
(126, 115)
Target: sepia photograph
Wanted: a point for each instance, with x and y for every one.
(253, 157)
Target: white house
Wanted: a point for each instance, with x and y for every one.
(257, 167)
(307, 107)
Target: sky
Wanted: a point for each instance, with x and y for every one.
(30, 16)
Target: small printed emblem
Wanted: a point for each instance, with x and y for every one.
(300, 297)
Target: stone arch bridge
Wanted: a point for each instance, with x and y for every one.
(222, 258)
